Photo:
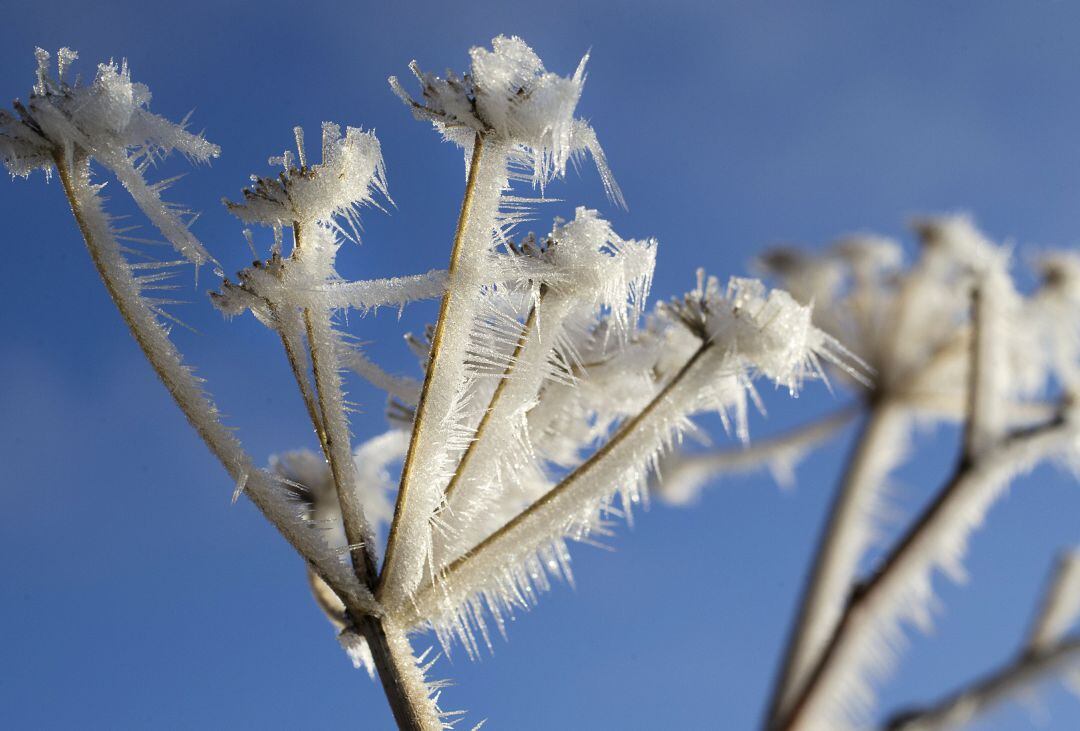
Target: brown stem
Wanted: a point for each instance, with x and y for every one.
(419, 423)
(820, 586)
(391, 670)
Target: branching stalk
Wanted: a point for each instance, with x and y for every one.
(877, 594)
(186, 390)
(837, 557)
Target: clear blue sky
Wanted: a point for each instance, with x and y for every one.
(131, 593)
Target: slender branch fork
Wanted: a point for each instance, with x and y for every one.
(816, 647)
(392, 669)
(857, 613)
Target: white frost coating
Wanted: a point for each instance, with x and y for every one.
(1061, 605)
(507, 570)
(510, 95)
(593, 274)
(349, 177)
(1053, 311)
(431, 456)
(521, 116)
(843, 696)
(995, 313)
(267, 492)
(110, 122)
(852, 530)
(370, 294)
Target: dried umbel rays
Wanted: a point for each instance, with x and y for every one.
(550, 396)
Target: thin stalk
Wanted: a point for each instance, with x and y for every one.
(478, 434)
(299, 372)
(832, 573)
(420, 423)
(339, 456)
(157, 349)
(682, 470)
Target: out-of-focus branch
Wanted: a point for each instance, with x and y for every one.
(1009, 681)
(684, 475)
(918, 550)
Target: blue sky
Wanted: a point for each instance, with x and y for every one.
(134, 595)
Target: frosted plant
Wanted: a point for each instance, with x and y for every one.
(552, 396)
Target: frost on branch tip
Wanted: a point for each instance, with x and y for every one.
(509, 95)
(109, 121)
(349, 177)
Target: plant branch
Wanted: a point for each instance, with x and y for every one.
(915, 551)
(964, 705)
(682, 474)
(478, 434)
(841, 546)
(335, 430)
(420, 425)
(292, 347)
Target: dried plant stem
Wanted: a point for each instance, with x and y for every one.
(857, 622)
(333, 422)
(1009, 681)
(538, 510)
(412, 708)
(419, 423)
(478, 434)
(830, 578)
(299, 370)
(181, 384)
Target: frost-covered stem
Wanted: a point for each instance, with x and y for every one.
(915, 553)
(401, 679)
(544, 510)
(1060, 604)
(335, 432)
(985, 406)
(299, 370)
(185, 389)
(836, 562)
(1012, 680)
(478, 434)
(404, 509)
